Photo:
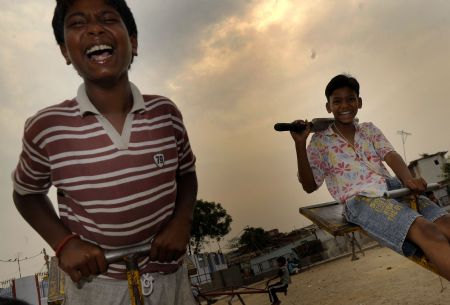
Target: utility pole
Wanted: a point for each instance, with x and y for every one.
(18, 264)
(46, 258)
(404, 134)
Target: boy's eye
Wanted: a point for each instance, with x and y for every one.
(109, 18)
(76, 22)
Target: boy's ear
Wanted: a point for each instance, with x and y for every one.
(327, 105)
(62, 48)
(134, 44)
(359, 103)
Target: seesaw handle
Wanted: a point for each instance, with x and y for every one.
(406, 191)
(113, 256)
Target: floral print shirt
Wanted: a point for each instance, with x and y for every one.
(349, 171)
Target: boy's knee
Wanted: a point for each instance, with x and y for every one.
(444, 220)
(424, 230)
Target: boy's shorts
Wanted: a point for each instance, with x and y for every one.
(388, 220)
(169, 289)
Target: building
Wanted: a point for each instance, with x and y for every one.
(305, 246)
(430, 168)
(32, 289)
(206, 264)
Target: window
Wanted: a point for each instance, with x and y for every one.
(222, 258)
(216, 259)
(201, 262)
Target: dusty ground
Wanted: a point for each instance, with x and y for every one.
(379, 277)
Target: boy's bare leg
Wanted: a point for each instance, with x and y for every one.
(443, 223)
(433, 243)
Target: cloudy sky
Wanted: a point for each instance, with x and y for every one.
(234, 68)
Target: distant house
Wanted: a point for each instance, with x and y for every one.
(32, 289)
(319, 245)
(206, 264)
(267, 261)
(429, 167)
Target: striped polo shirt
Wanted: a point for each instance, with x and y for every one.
(114, 190)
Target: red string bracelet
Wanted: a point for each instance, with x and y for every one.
(64, 242)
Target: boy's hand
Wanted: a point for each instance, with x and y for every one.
(416, 185)
(81, 259)
(300, 137)
(170, 243)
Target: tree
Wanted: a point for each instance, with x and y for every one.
(211, 221)
(255, 239)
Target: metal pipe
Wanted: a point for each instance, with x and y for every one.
(406, 191)
(113, 256)
(219, 293)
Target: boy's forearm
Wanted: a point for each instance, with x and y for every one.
(305, 173)
(170, 243)
(186, 197)
(396, 163)
(38, 211)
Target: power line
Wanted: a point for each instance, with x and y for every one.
(18, 259)
(13, 260)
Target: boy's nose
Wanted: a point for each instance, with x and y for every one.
(95, 28)
(347, 104)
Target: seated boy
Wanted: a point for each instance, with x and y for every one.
(121, 162)
(348, 156)
(282, 284)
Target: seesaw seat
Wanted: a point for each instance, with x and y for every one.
(328, 216)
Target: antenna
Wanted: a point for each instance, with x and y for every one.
(404, 134)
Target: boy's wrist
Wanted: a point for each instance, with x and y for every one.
(181, 219)
(300, 143)
(62, 243)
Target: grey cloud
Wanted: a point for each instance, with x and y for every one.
(170, 31)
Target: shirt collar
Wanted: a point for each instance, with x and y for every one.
(330, 132)
(86, 105)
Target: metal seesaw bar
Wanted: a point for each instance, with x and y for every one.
(406, 191)
(113, 256)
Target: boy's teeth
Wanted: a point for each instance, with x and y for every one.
(101, 57)
(98, 48)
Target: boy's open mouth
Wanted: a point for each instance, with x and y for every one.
(99, 53)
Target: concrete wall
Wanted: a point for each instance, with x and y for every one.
(430, 168)
(332, 247)
(266, 262)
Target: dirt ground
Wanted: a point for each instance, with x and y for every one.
(379, 277)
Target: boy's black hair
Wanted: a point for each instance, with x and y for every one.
(341, 81)
(281, 260)
(63, 5)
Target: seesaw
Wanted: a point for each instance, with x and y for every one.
(329, 217)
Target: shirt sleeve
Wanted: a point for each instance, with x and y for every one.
(32, 174)
(316, 162)
(380, 142)
(186, 158)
